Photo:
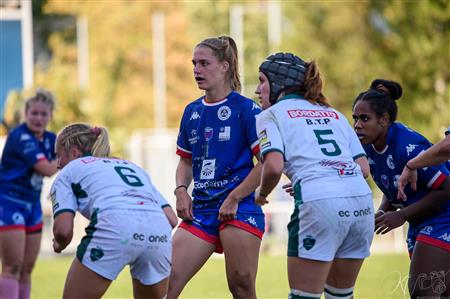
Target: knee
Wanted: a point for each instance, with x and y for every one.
(12, 269)
(26, 269)
(241, 285)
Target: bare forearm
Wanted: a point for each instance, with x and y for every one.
(437, 154)
(249, 184)
(183, 174)
(429, 204)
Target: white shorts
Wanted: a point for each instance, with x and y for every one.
(332, 228)
(116, 238)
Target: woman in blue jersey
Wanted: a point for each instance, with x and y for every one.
(216, 144)
(28, 156)
(128, 217)
(389, 146)
(331, 227)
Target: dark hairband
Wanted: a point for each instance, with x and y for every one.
(96, 131)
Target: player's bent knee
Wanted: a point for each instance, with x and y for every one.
(241, 285)
(337, 293)
(12, 269)
(298, 294)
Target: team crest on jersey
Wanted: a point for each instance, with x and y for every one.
(224, 113)
(309, 242)
(208, 133)
(194, 115)
(390, 162)
(96, 253)
(224, 133)
(385, 181)
(410, 147)
(208, 169)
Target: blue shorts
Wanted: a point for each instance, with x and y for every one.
(19, 214)
(433, 231)
(207, 226)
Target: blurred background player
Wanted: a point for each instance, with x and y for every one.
(216, 145)
(127, 225)
(331, 228)
(28, 155)
(389, 146)
(437, 154)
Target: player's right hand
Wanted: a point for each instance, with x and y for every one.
(184, 205)
(288, 188)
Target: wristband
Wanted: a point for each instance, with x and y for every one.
(178, 187)
(263, 195)
(409, 167)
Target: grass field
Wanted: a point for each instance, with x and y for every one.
(382, 276)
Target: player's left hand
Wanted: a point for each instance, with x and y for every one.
(388, 221)
(407, 177)
(227, 211)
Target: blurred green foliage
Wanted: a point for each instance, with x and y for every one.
(353, 42)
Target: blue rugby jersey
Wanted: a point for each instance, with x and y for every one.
(403, 144)
(221, 140)
(22, 151)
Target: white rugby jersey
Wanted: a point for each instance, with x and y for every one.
(319, 147)
(90, 183)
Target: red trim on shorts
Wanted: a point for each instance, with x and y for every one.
(183, 154)
(202, 235)
(441, 178)
(12, 227)
(434, 242)
(34, 228)
(243, 226)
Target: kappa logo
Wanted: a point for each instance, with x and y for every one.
(445, 237)
(194, 115)
(224, 113)
(309, 242)
(256, 106)
(409, 148)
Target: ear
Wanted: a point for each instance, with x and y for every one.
(76, 153)
(384, 120)
(225, 66)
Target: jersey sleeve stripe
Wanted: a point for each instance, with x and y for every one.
(62, 211)
(359, 156)
(183, 153)
(255, 147)
(436, 180)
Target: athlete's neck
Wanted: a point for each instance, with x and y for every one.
(217, 95)
(380, 142)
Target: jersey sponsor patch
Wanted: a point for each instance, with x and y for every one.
(208, 169)
(263, 140)
(224, 133)
(208, 133)
(25, 137)
(224, 113)
(296, 113)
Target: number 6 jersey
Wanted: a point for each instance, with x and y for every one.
(91, 183)
(319, 147)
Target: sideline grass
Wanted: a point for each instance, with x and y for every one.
(382, 276)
